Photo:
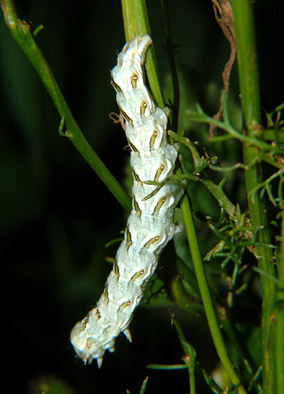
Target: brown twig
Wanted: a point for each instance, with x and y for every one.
(224, 16)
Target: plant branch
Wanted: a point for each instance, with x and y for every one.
(201, 117)
(279, 345)
(142, 27)
(190, 356)
(206, 297)
(172, 63)
(20, 31)
(250, 97)
(136, 23)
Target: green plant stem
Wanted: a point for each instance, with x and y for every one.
(172, 63)
(142, 26)
(206, 297)
(237, 341)
(136, 22)
(190, 357)
(21, 32)
(130, 30)
(201, 117)
(220, 196)
(279, 345)
(250, 97)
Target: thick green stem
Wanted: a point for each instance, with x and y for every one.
(172, 63)
(136, 9)
(136, 23)
(249, 89)
(279, 345)
(21, 32)
(206, 297)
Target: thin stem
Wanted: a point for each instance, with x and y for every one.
(190, 357)
(174, 75)
(279, 345)
(220, 196)
(142, 27)
(206, 297)
(21, 32)
(201, 117)
(249, 89)
(136, 22)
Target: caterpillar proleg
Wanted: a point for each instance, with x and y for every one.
(150, 225)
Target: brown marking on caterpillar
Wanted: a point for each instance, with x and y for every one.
(116, 87)
(136, 176)
(143, 107)
(133, 147)
(151, 241)
(128, 240)
(137, 275)
(133, 80)
(159, 172)
(136, 207)
(126, 117)
(152, 139)
(124, 305)
(97, 312)
(115, 269)
(159, 205)
(105, 294)
(84, 322)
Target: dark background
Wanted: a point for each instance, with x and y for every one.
(55, 214)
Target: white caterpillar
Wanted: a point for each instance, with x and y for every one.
(150, 225)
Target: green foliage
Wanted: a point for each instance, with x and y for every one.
(227, 268)
(143, 387)
(49, 385)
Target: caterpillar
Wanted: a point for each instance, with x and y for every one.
(154, 197)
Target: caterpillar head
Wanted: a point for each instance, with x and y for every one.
(134, 51)
(128, 74)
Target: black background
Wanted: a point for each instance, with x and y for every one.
(55, 214)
